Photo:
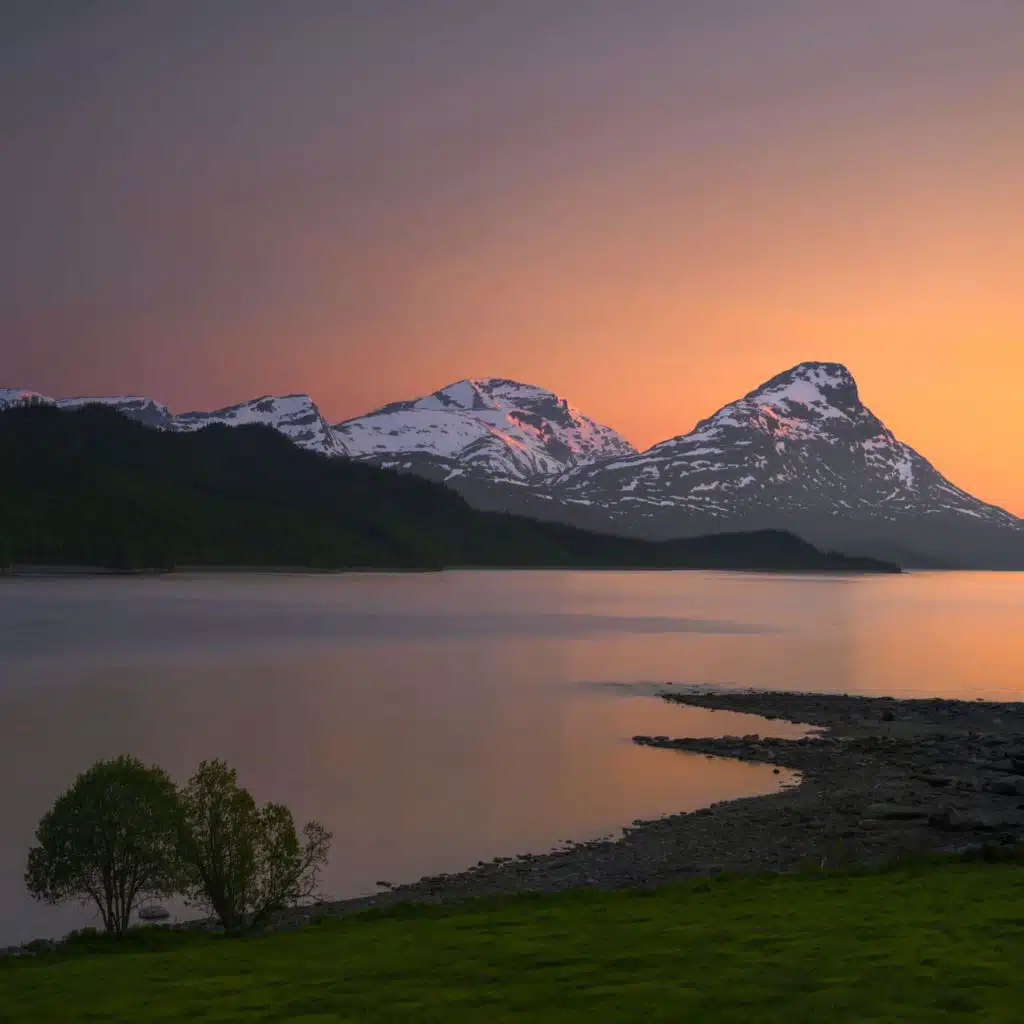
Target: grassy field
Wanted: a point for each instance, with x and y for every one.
(926, 942)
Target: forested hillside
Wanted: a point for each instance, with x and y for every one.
(90, 487)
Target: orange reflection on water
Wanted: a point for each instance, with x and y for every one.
(436, 720)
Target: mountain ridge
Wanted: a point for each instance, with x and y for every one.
(296, 415)
(800, 451)
(88, 486)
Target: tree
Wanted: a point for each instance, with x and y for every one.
(241, 861)
(110, 839)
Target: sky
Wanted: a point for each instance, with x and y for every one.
(648, 206)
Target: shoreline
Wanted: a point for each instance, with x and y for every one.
(97, 572)
(879, 778)
(884, 777)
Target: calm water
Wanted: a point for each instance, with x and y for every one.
(432, 721)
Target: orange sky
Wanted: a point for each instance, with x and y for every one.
(647, 207)
(651, 315)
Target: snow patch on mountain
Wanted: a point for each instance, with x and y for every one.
(13, 397)
(490, 426)
(295, 416)
(796, 405)
(145, 410)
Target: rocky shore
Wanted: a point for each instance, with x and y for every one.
(878, 778)
(883, 777)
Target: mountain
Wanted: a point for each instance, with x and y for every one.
(801, 442)
(295, 416)
(490, 428)
(800, 452)
(90, 486)
(144, 410)
(11, 398)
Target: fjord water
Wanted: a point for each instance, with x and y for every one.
(435, 720)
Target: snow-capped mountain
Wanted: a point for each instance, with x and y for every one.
(802, 441)
(489, 428)
(145, 410)
(295, 416)
(801, 452)
(12, 397)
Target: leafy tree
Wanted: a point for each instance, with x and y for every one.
(241, 861)
(111, 839)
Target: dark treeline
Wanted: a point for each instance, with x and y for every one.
(91, 487)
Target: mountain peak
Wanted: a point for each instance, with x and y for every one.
(22, 396)
(491, 425)
(799, 402)
(135, 407)
(810, 384)
(295, 415)
(477, 393)
(820, 370)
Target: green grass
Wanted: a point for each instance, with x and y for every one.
(933, 941)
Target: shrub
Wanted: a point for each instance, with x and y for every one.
(240, 861)
(109, 839)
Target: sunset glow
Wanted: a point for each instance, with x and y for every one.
(647, 207)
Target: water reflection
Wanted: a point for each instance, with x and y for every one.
(432, 721)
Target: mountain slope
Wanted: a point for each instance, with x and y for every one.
(488, 427)
(803, 441)
(12, 398)
(91, 487)
(800, 451)
(295, 416)
(144, 410)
